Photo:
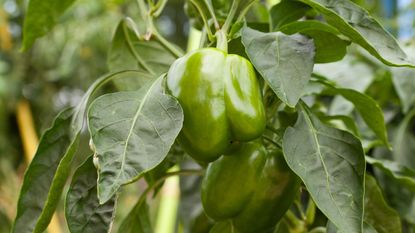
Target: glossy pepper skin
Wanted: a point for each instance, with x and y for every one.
(221, 100)
(253, 188)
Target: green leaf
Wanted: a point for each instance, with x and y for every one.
(285, 62)
(377, 212)
(49, 170)
(356, 23)
(129, 51)
(404, 82)
(46, 175)
(80, 111)
(367, 107)
(331, 164)
(404, 142)
(83, 212)
(41, 17)
(286, 12)
(378, 217)
(138, 220)
(132, 133)
(329, 47)
(403, 175)
(344, 74)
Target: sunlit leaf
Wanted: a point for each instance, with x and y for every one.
(132, 133)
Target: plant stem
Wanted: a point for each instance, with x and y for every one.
(212, 13)
(231, 16)
(244, 11)
(158, 8)
(221, 41)
(173, 50)
(204, 19)
(272, 141)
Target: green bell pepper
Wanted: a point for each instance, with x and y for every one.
(221, 100)
(253, 188)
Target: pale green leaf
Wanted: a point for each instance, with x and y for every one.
(356, 23)
(132, 133)
(83, 212)
(404, 82)
(285, 62)
(331, 164)
(40, 18)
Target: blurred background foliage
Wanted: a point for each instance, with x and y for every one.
(60, 67)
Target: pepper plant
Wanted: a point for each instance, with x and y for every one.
(283, 143)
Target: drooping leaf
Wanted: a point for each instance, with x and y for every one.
(356, 23)
(285, 62)
(83, 212)
(132, 133)
(329, 47)
(377, 212)
(46, 175)
(404, 82)
(40, 18)
(40, 193)
(403, 175)
(367, 107)
(286, 12)
(331, 164)
(129, 51)
(138, 220)
(351, 73)
(404, 142)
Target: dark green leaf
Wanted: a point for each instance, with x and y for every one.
(83, 212)
(403, 175)
(138, 220)
(377, 212)
(46, 176)
(329, 47)
(286, 12)
(132, 133)
(356, 23)
(40, 18)
(129, 51)
(285, 62)
(331, 164)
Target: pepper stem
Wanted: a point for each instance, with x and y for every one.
(221, 40)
